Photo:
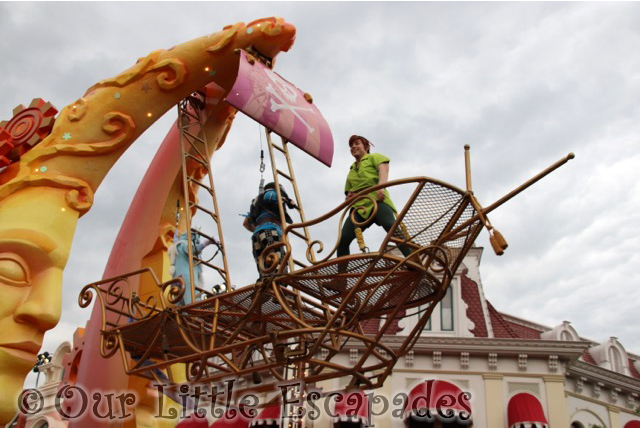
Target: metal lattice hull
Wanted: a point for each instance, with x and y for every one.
(303, 318)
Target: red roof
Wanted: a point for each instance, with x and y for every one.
(525, 408)
(471, 296)
(587, 358)
(370, 326)
(501, 328)
(523, 331)
(394, 328)
(633, 370)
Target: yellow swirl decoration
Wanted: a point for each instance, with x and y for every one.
(118, 124)
(79, 197)
(223, 38)
(173, 72)
(77, 110)
(143, 65)
(80, 200)
(269, 26)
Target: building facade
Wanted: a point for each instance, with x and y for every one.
(513, 369)
(512, 373)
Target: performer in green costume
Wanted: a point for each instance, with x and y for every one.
(368, 170)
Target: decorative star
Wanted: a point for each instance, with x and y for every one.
(117, 95)
(146, 88)
(213, 73)
(66, 136)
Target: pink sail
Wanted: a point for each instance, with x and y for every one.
(266, 97)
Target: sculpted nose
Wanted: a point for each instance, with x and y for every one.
(34, 314)
(42, 307)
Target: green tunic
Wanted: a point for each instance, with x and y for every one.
(363, 175)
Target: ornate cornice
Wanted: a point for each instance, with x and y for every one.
(481, 345)
(608, 377)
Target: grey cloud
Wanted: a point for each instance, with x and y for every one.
(523, 83)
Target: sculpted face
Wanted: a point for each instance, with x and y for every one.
(36, 227)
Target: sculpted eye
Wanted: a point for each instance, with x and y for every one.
(13, 270)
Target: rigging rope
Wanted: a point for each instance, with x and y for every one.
(262, 166)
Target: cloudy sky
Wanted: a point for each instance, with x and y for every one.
(522, 83)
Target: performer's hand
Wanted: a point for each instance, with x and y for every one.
(380, 195)
(291, 205)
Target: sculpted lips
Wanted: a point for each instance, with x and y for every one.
(24, 350)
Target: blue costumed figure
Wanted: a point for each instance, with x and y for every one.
(263, 220)
(179, 257)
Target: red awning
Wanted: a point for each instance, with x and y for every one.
(439, 399)
(226, 421)
(268, 416)
(193, 421)
(524, 410)
(352, 407)
(632, 424)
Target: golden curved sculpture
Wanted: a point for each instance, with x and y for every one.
(52, 185)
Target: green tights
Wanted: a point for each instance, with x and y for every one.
(385, 217)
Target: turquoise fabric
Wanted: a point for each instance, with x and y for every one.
(182, 265)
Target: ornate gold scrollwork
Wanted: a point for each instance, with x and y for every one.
(108, 344)
(346, 210)
(270, 260)
(172, 291)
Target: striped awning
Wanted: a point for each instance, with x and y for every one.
(525, 411)
(352, 407)
(438, 399)
(232, 418)
(269, 416)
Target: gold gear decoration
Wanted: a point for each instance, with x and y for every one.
(28, 127)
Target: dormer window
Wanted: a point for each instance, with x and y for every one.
(564, 332)
(442, 318)
(446, 311)
(611, 355)
(615, 357)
